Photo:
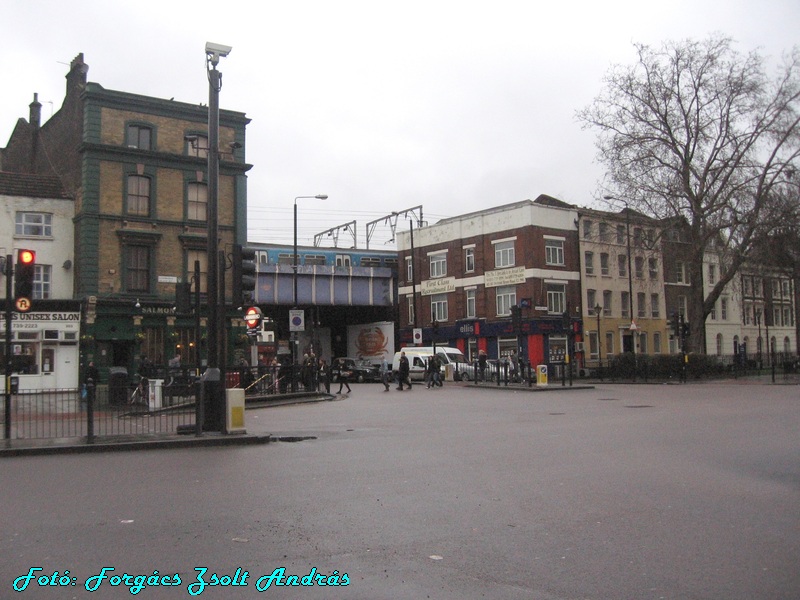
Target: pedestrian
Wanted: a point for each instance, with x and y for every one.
(343, 375)
(385, 374)
(91, 376)
(514, 365)
(436, 372)
(403, 372)
(482, 364)
(324, 375)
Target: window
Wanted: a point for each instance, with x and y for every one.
(622, 265)
(138, 136)
(607, 303)
(609, 343)
(776, 317)
(657, 342)
(197, 202)
(712, 274)
(713, 314)
(438, 265)
(200, 256)
(197, 145)
(593, 344)
(655, 311)
(643, 342)
(42, 277)
(637, 236)
(439, 307)
(411, 310)
(137, 268)
(620, 234)
(138, 201)
(603, 232)
(587, 229)
(785, 288)
(319, 259)
(409, 270)
(680, 272)
(719, 342)
(504, 254)
(469, 260)
(604, 263)
(746, 310)
(470, 304)
(286, 259)
(639, 262)
(554, 252)
(342, 260)
(588, 259)
(591, 299)
(556, 298)
(723, 309)
(652, 264)
(682, 304)
(787, 316)
(625, 301)
(34, 224)
(506, 298)
(641, 305)
(746, 284)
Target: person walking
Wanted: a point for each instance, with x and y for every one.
(482, 364)
(403, 372)
(324, 375)
(385, 374)
(343, 375)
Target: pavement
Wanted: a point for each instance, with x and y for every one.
(73, 445)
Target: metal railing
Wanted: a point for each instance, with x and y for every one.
(102, 411)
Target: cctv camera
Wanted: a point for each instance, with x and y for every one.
(217, 49)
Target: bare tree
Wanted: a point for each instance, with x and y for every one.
(695, 131)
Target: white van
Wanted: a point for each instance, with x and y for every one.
(418, 359)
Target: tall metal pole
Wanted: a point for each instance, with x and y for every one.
(414, 274)
(9, 362)
(630, 284)
(293, 334)
(214, 417)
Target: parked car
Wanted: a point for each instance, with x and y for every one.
(362, 370)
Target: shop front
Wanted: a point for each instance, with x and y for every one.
(44, 346)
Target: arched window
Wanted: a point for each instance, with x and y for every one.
(719, 344)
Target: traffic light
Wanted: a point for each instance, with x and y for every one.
(244, 274)
(24, 273)
(183, 297)
(675, 325)
(516, 318)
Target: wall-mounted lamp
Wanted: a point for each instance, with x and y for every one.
(138, 304)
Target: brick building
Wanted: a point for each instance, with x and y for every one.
(471, 270)
(137, 169)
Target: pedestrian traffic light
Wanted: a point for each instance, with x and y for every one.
(244, 275)
(24, 273)
(183, 297)
(675, 325)
(516, 317)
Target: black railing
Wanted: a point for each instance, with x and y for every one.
(102, 411)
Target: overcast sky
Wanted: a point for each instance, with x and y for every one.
(452, 105)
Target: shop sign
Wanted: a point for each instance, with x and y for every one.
(512, 276)
(438, 286)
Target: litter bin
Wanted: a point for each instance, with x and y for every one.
(234, 411)
(155, 394)
(541, 374)
(118, 385)
(14, 384)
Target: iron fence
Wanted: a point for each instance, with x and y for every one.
(104, 411)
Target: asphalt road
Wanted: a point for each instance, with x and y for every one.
(621, 492)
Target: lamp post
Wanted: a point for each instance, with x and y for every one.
(632, 327)
(294, 284)
(597, 310)
(214, 416)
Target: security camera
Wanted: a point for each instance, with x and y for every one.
(218, 50)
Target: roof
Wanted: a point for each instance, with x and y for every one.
(31, 186)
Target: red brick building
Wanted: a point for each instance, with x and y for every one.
(469, 274)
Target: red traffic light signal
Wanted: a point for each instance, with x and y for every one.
(24, 273)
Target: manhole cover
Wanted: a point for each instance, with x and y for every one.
(638, 406)
(556, 414)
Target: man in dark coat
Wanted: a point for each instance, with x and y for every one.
(403, 371)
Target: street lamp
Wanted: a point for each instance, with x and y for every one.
(294, 282)
(632, 327)
(214, 416)
(597, 310)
